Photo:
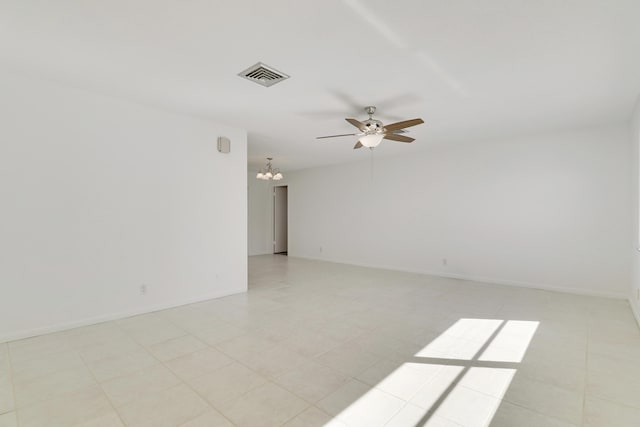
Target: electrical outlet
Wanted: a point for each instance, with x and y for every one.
(143, 289)
(320, 249)
(444, 262)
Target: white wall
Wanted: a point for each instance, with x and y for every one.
(260, 216)
(549, 211)
(634, 128)
(99, 196)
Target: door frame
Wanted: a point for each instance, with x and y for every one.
(275, 220)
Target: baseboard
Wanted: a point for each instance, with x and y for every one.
(635, 310)
(121, 315)
(261, 253)
(109, 317)
(540, 286)
(490, 280)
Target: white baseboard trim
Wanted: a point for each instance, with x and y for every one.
(112, 316)
(121, 315)
(260, 253)
(543, 287)
(489, 280)
(635, 310)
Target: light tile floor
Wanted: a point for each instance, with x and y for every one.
(322, 344)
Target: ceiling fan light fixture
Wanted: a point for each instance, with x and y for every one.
(372, 140)
(373, 131)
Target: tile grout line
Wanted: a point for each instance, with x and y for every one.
(99, 383)
(615, 402)
(13, 387)
(536, 411)
(105, 395)
(115, 410)
(184, 382)
(586, 375)
(270, 379)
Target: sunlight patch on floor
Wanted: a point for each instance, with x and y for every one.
(457, 379)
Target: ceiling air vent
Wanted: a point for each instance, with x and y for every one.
(263, 75)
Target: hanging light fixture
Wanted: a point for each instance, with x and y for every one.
(268, 172)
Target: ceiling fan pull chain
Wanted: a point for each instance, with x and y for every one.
(371, 149)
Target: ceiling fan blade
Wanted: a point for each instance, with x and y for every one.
(399, 138)
(398, 101)
(404, 124)
(347, 100)
(358, 145)
(336, 136)
(358, 124)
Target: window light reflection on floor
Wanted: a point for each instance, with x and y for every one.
(460, 377)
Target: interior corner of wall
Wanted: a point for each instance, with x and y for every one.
(635, 115)
(635, 309)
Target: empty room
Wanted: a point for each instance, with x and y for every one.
(350, 213)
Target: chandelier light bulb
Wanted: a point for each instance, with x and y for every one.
(268, 172)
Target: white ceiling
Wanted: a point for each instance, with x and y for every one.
(471, 69)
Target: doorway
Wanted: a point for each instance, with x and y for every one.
(280, 220)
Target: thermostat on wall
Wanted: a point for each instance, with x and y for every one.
(224, 144)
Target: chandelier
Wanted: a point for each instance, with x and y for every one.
(268, 172)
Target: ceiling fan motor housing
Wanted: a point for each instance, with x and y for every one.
(373, 125)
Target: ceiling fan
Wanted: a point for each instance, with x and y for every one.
(372, 131)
